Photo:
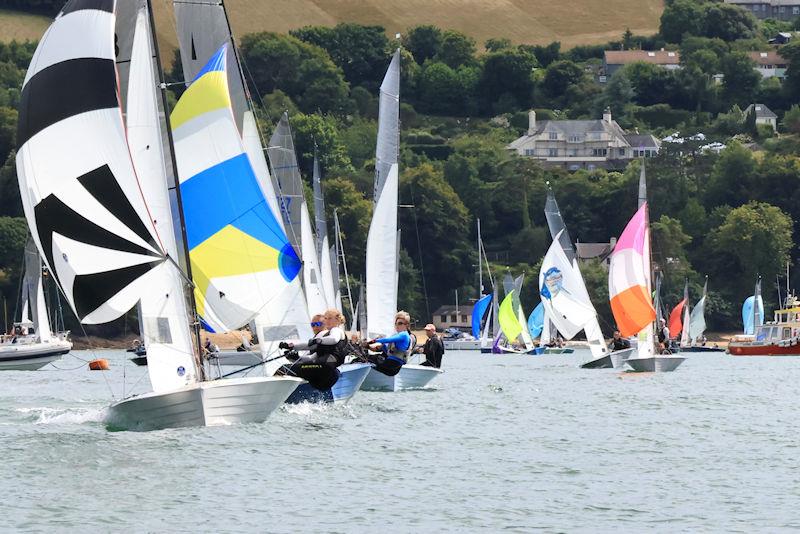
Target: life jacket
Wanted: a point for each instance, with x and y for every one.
(395, 351)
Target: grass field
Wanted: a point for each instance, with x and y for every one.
(21, 26)
(523, 21)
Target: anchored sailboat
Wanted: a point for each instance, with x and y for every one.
(32, 344)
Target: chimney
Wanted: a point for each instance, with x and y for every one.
(531, 122)
(607, 115)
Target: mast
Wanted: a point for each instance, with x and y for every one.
(195, 324)
(340, 247)
(480, 266)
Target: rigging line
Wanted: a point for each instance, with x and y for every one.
(419, 251)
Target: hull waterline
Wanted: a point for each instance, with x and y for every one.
(411, 376)
(655, 364)
(613, 360)
(352, 376)
(33, 356)
(213, 403)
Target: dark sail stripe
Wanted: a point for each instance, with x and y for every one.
(63, 90)
(90, 291)
(77, 5)
(53, 216)
(102, 185)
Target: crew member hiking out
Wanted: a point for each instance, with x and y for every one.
(393, 350)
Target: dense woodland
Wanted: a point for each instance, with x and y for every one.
(730, 216)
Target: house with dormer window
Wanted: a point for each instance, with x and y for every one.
(583, 144)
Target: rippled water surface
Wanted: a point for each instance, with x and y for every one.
(514, 443)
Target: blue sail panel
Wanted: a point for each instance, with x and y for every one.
(536, 321)
(478, 311)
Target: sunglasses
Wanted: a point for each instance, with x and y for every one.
(316, 323)
(400, 322)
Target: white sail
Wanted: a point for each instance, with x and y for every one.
(34, 307)
(312, 279)
(323, 245)
(164, 313)
(81, 196)
(382, 260)
(697, 321)
(287, 315)
(686, 339)
(562, 292)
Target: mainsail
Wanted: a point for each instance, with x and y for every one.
(697, 321)
(163, 313)
(753, 311)
(382, 263)
(326, 258)
(33, 292)
(80, 192)
(241, 257)
(508, 318)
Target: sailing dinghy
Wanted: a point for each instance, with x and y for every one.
(383, 239)
(95, 194)
(630, 292)
(284, 314)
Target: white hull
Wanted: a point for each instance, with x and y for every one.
(410, 377)
(31, 356)
(218, 402)
(462, 344)
(655, 364)
(613, 360)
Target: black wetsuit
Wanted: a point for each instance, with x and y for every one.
(620, 344)
(433, 350)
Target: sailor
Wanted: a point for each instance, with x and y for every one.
(210, 349)
(393, 350)
(433, 348)
(663, 336)
(618, 342)
(327, 351)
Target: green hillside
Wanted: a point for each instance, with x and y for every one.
(21, 26)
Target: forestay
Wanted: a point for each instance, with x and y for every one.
(81, 196)
(241, 258)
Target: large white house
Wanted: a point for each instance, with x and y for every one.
(583, 144)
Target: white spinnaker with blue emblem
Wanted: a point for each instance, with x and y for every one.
(560, 288)
(164, 320)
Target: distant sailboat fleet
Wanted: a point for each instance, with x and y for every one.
(189, 216)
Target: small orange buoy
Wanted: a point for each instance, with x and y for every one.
(100, 364)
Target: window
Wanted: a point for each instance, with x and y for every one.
(454, 318)
(574, 167)
(444, 318)
(651, 54)
(782, 9)
(796, 10)
(591, 166)
(463, 318)
(574, 139)
(671, 54)
(552, 152)
(621, 151)
(159, 329)
(530, 152)
(553, 136)
(599, 152)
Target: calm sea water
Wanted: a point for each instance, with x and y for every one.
(500, 443)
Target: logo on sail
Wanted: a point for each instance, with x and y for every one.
(552, 283)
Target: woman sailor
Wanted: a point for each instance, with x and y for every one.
(393, 350)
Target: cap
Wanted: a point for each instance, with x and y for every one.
(429, 326)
